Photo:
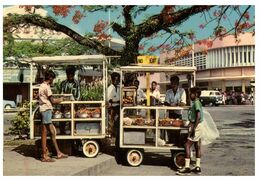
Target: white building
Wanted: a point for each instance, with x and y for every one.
(227, 65)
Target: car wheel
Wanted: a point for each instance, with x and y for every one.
(8, 106)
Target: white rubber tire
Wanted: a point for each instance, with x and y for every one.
(134, 157)
(179, 159)
(90, 148)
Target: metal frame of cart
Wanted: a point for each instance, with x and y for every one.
(89, 141)
(134, 153)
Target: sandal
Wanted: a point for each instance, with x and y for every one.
(47, 160)
(62, 156)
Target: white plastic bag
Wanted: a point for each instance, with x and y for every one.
(210, 131)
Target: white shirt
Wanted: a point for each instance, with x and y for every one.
(114, 94)
(140, 95)
(179, 97)
(156, 94)
(44, 94)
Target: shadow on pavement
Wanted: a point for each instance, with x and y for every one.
(26, 150)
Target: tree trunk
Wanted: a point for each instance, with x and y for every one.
(130, 52)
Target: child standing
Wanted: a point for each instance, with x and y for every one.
(45, 101)
(195, 116)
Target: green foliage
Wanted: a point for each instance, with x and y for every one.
(44, 48)
(92, 92)
(57, 87)
(21, 122)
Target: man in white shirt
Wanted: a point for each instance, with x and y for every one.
(140, 93)
(155, 93)
(175, 96)
(113, 96)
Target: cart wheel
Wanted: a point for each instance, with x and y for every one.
(134, 157)
(179, 159)
(90, 149)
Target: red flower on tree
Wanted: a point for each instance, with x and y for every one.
(77, 17)
(99, 30)
(152, 49)
(61, 10)
(247, 16)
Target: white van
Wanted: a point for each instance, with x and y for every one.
(211, 98)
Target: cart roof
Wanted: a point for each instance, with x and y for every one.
(68, 60)
(157, 68)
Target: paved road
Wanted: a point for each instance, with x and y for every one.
(232, 154)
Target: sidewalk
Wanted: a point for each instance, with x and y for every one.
(20, 161)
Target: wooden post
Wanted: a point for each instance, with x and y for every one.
(148, 94)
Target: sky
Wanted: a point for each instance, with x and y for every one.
(86, 25)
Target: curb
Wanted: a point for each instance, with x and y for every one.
(97, 169)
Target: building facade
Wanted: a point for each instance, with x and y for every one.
(229, 65)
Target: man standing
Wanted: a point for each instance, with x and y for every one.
(155, 94)
(45, 101)
(175, 96)
(114, 106)
(70, 85)
(140, 93)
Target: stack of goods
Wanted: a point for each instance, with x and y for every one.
(88, 113)
(138, 120)
(57, 114)
(171, 122)
(128, 100)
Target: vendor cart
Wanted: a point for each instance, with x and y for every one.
(142, 127)
(85, 120)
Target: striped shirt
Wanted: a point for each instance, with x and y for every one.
(71, 88)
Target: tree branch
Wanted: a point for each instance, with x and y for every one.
(49, 23)
(128, 18)
(156, 23)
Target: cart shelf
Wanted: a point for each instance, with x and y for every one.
(172, 128)
(87, 119)
(140, 127)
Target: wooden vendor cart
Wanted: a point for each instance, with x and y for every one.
(85, 120)
(143, 127)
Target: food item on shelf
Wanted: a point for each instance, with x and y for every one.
(83, 113)
(140, 121)
(128, 121)
(177, 123)
(67, 114)
(171, 122)
(150, 123)
(89, 112)
(57, 114)
(128, 100)
(96, 113)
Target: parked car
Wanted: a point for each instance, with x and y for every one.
(211, 98)
(8, 104)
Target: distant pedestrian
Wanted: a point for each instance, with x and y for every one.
(45, 101)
